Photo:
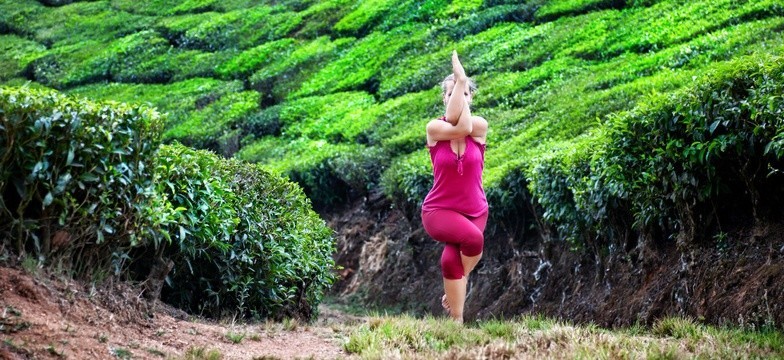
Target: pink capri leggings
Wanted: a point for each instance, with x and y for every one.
(459, 233)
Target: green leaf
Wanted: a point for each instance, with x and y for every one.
(48, 199)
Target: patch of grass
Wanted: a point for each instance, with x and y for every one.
(52, 350)
(537, 337)
(290, 324)
(122, 353)
(201, 353)
(156, 352)
(236, 337)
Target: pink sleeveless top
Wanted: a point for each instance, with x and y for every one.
(458, 181)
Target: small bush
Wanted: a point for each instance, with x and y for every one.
(247, 241)
(408, 180)
(75, 178)
(363, 17)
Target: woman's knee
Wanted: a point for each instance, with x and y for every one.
(474, 243)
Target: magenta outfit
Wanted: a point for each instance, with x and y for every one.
(455, 210)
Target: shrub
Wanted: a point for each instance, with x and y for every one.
(281, 76)
(246, 240)
(318, 19)
(15, 55)
(316, 165)
(408, 180)
(330, 117)
(700, 147)
(555, 9)
(248, 61)
(354, 69)
(203, 127)
(93, 21)
(75, 178)
(69, 66)
(239, 29)
(359, 21)
(179, 100)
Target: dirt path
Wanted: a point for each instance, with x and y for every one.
(46, 318)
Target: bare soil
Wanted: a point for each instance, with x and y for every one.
(44, 317)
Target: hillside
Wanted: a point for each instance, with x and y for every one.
(633, 145)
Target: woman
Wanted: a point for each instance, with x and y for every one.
(455, 210)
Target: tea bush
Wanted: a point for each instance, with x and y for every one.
(319, 18)
(246, 240)
(180, 100)
(204, 127)
(15, 54)
(329, 117)
(239, 29)
(314, 164)
(248, 61)
(280, 76)
(362, 19)
(354, 69)
(75, 178)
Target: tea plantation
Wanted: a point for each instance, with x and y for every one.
(609, 120)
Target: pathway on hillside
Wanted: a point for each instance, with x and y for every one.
(42, 317)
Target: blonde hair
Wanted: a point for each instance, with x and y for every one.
(451, 77)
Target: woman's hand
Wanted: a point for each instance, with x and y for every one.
(457, 68)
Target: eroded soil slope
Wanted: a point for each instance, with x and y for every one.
(390, 261)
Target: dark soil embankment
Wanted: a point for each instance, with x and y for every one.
(390, 261)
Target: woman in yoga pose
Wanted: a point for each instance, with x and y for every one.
(455, 210)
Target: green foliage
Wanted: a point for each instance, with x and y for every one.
(93, 21)
(239, 29)
(324, 170)
(246, 239)
(319, 18)
(15, 55)
(366, 14)
(245, 63)
(408, 180)
(75, 177)
(280, 76)
(558, 8)
(332, 117)
(361, 63)
(204, 127)
(179, 100)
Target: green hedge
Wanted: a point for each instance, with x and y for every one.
(239, 29)
(15, 54)
(356, 69)
(84, 186)
(205, 127)
(677, 158)
(318, 18)
(280, 76)
(75, 178)
(246, 242)
(197, 108)
(73, 24)
(330, 174)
